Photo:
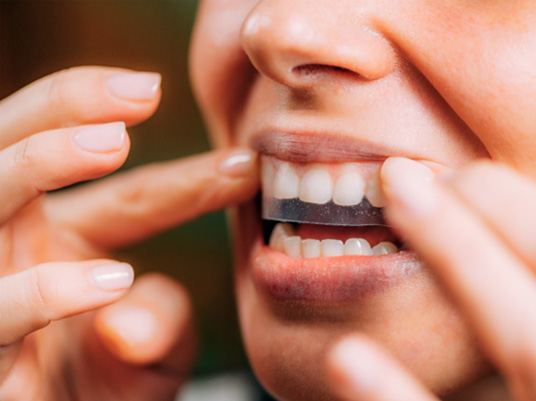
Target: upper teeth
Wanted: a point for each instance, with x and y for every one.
(284, 240)
(349, 189)
(286, 182)
(345, 184)
(316, 186)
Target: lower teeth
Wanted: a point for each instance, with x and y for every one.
(284, 240)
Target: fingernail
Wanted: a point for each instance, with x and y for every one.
(102, 138)
(238, 163)
(115, 276)
(133, 325)
(350, 358)
(409, 184)
(134, 86)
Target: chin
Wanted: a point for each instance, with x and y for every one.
(292, 308)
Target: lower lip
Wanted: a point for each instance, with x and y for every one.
(328, 280)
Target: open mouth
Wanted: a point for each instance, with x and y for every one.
(324, 210)
(324, 237)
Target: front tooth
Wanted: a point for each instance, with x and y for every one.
(349, 190)
(384, 248)
(286, 182)
(357, 246)
(316, 186)
(311, 248)
(280, 232)
(292, 246)
(374, 192)
(332, 247)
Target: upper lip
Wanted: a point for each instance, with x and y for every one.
(309, 147)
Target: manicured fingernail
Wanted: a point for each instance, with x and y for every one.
(135, 86)
(104, 138)
(133, 325)
(409, 184)
(238, 163)
(349, 357)
(114, 276)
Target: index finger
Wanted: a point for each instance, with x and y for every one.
(134, 205)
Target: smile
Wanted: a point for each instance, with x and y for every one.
(323, 237)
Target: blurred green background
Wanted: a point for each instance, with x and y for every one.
(40, 37)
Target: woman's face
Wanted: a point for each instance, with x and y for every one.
(332, 86)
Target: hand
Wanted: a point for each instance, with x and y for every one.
(487, 212)
(68, 128)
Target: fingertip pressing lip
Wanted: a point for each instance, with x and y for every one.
(410, 184)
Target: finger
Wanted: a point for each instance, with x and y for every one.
(31, 299)
(151, 199)
(505, 201)
(57, 158)
(492, 286)
(78, 96)
(361, 371)
(152, 327)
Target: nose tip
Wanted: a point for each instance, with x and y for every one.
(296, 49)
(271, 47)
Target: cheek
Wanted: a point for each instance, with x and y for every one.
(488, 80)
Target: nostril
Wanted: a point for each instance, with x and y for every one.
(319, 70)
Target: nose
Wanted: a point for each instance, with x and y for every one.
(297, 42)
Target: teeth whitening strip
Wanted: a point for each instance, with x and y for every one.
(296, 211)
(344, 194)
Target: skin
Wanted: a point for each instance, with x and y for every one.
(443, 82)
(63, 336)
(459, 72)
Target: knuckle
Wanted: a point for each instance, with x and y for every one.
(43, 291)
(57, 95)
(24, 157)
(134, 195)
(29, 164)
(137, 193)
(67, 96)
